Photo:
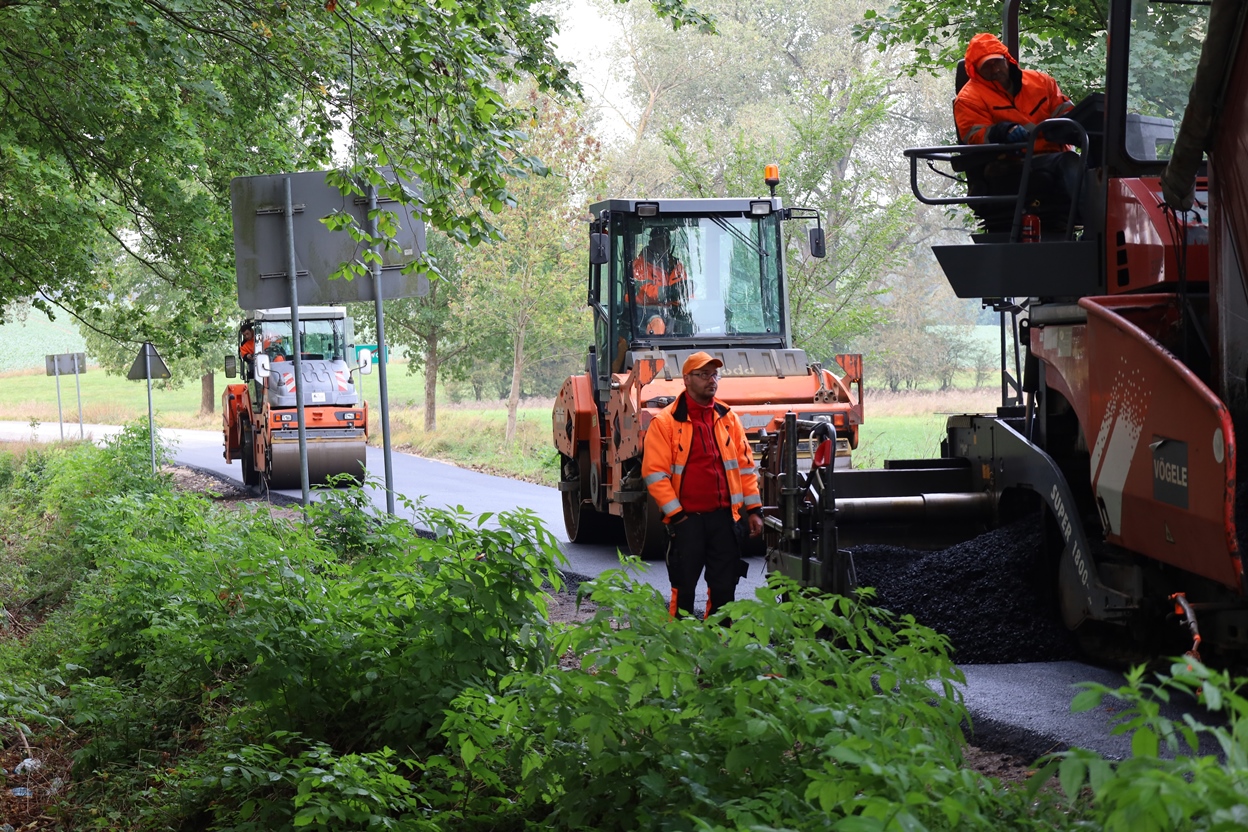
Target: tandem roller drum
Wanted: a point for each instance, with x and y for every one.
(326, 458)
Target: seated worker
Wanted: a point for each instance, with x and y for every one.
(662, 288)
(1000, 103)
(275, 347)
(247, 349)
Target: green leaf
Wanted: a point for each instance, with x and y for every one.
(1071, 773)
(1087, 700)
(1144, 743)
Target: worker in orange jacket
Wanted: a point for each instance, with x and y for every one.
(661, 287)
(1002, 103)
(699, 468)
(1000, 100)
(247, 349)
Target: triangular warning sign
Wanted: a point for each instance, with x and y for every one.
(148, 354)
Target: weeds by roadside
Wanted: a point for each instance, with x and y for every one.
(214, 668)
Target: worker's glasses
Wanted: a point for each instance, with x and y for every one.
(710, 375)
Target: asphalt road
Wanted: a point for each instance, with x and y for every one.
(1017, 708)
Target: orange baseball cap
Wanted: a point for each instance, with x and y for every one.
(699, 360)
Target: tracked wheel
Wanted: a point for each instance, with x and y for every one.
(644, 530)
(583, 522)
(326, 458)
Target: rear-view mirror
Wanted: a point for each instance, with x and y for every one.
(231, 366)
(366, 362)
(598, 249)
(261, 366)
(817, 245)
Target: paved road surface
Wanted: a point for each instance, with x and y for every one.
(1024, 708)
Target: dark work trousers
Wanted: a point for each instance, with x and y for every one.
(707, 541)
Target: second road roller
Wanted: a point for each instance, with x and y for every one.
(260, 421)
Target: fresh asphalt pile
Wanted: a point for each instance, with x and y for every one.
(986, 595)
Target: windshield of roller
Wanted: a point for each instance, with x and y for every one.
(320, 339)
(678, 276)
(1166, 38)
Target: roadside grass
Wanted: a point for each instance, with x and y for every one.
(911, 424)
(902, 425)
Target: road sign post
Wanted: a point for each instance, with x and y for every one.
(292, 280)
(58, 365)
(148, 365)
(375, 271)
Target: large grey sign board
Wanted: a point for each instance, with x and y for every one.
(257, 204)
(65, 364)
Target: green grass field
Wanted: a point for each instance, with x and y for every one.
(907, 425)
(27, 342)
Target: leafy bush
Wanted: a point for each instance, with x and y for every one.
(806, 711)
(1185, 790)
(230, 670)
(343, 652)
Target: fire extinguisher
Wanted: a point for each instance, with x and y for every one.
(1031, 228)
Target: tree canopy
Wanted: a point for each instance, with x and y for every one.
(1067, 40)
(123, 121)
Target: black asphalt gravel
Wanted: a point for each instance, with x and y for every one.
(986, 595)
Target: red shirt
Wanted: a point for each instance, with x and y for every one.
(704, 486)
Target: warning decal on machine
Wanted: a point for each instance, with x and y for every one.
(1169, 471)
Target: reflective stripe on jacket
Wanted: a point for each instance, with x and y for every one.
(659, 284)
(981, 104)
(668, 441)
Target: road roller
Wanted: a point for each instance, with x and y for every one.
(668, 278)
(260, 414)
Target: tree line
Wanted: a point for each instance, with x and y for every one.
(124, 121)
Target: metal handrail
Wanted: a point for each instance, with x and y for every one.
(951, 153)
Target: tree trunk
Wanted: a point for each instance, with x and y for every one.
(513, 399)
(431, 383)
(207, 394)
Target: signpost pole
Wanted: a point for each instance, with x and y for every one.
(296, 341)
(151, 419)
(381, 352)
(60, 417)
(78, 386)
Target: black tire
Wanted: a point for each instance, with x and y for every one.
(583, 522)
(644, 530)
(250, 475)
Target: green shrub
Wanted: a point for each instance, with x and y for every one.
(809, 713)
(335, 650)
(230, 670)
(1186, 789)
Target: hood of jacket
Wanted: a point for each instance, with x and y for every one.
(982, 46)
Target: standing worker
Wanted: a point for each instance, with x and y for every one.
(699, 468)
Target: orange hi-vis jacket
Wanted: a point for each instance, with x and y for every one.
(981, 103)
(668, 440)
(655, 283)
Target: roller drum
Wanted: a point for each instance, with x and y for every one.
(326, 458)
